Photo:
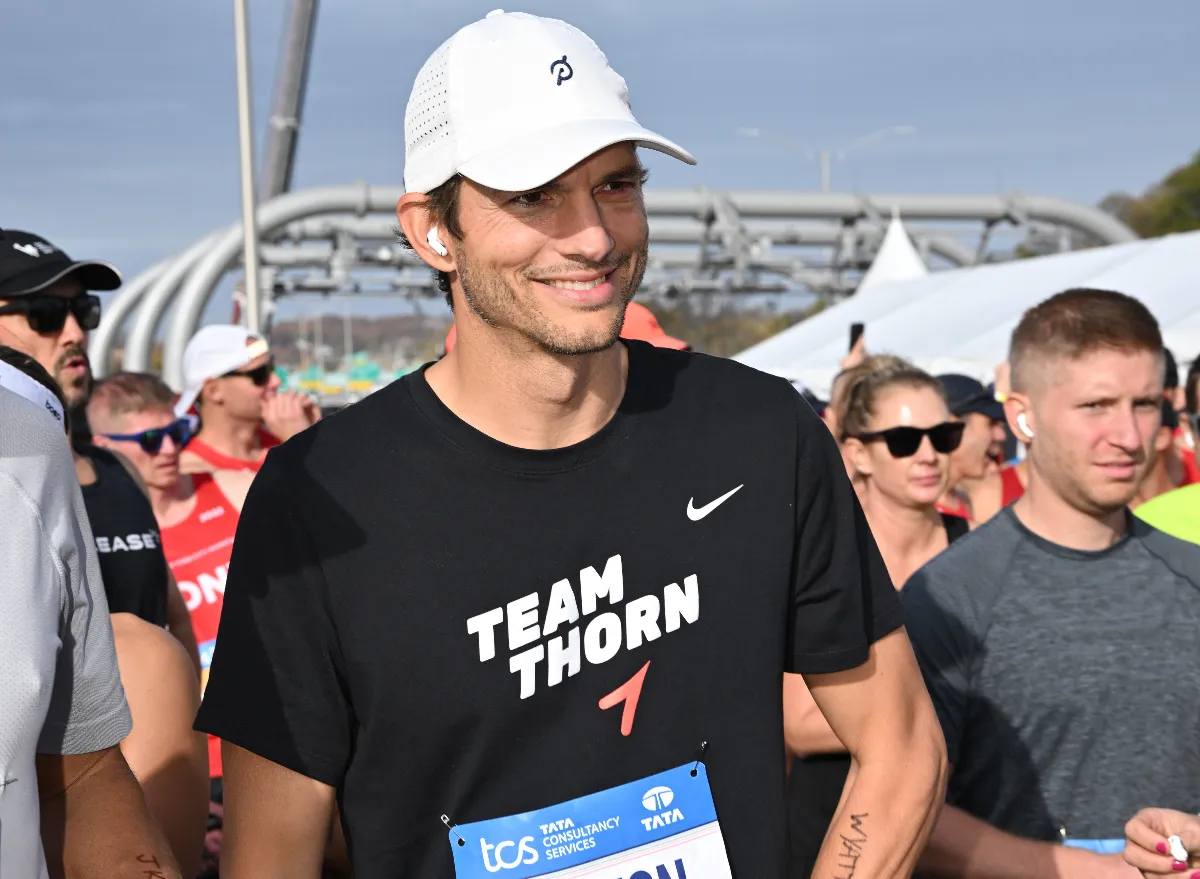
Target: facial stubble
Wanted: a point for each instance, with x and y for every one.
(497, 304)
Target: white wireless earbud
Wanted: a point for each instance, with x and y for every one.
(1024, 425)
(435, 242)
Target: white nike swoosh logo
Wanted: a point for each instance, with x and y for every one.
(696, 515)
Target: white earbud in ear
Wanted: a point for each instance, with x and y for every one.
(435, 242)
(1024, 425)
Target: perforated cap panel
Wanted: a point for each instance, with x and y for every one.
(428, 130)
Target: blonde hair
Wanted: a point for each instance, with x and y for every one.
(126, 393)
(866, 382)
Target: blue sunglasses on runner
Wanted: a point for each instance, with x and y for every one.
(180, 431)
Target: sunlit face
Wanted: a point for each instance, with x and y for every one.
(557, 265)
(982, 444)
(1095, 422)
(64, 353)
(238, 396)
(915, 481)
(160, 470)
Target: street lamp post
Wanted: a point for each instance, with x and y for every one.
(826, 156)
(246, 156)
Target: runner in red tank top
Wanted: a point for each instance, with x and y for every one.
(197, 526)
(231, 384)
(198, 550)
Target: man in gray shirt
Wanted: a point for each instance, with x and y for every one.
(1059, 640)
(68, 803)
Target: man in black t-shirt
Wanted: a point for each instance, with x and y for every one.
(528, 609)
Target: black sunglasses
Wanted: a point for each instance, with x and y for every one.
(260, 375)
(48, 314)
(903, 442)
(180, 431)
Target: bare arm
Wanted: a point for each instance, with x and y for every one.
(95, 824)
(261, 840)
(964, 847)
(805, 729)
(897, 784)
(179, 622)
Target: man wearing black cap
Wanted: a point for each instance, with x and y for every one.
(977, 457)
(46, 311)
(46, 307)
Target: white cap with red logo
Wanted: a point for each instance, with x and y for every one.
(214, 351)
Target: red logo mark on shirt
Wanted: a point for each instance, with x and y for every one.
(628, 692)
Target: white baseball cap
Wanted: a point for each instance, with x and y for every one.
(513, 101)
(215, 350)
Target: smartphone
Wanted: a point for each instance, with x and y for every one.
(856, 331)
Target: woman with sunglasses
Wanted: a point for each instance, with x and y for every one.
(897, 435)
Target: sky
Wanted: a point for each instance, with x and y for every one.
(118, 125)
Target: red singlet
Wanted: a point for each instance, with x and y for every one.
(221, 461)
(198, 551)
(1010, 486)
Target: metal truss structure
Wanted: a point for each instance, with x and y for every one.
(341, 240)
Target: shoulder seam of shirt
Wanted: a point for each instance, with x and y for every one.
(1162, 558)
(27, 498)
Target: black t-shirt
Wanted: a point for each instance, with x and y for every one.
(132, 563)
(815, 783)
(427, 619)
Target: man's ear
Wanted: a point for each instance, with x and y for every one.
(1019, 413)
(416, 221)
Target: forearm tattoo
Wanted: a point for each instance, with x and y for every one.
(152, 868)
(850, 847)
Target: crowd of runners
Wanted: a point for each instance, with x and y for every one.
(573, 600)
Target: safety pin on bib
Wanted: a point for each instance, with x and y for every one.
(446, 821)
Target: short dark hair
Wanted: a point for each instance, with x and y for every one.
(1170, 372)
(1191, 387)
(22, 361)
(443, 204)
(1077, 322)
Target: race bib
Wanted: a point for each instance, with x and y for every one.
(661, 827)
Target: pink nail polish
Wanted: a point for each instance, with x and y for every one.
(1161, 848)
(1178, 866)
(1195, 875)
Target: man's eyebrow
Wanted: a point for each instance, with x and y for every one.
(632, 170)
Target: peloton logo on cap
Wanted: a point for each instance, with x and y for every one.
(563, 69)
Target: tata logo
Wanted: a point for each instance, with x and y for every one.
(525, 854)
(563, 69)
(658, 800)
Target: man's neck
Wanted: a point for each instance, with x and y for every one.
(1048, 515)
(172, 504)
(524, 397)
(232, 438)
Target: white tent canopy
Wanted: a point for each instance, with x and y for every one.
(961, 320)
(896, 260)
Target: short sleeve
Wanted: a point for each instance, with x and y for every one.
(945, 651)
(87, 710)
(842, 596)
(275, 683)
